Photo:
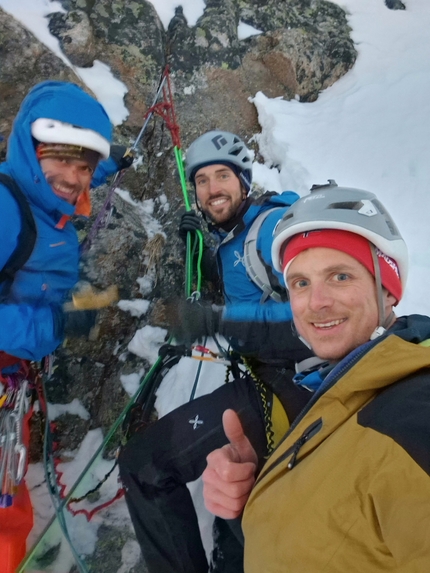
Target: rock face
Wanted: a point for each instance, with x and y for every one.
(303, 47)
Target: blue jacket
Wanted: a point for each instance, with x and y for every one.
(264, 330)
(31, 309)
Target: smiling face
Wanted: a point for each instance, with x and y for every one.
(219, 192)
(334, 302)
(67, 177)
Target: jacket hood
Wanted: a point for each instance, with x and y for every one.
(61, 101)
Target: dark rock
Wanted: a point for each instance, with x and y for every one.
(395, 5)
(75, 34)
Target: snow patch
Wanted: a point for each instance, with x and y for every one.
(146, 342)
(135, 307)
(145, 284)
(131, 382)
(74, 407)
(245, 31)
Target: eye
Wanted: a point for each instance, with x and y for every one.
(87, 169)
(299, 284)
(341, 277)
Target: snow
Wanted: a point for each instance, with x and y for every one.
(369, 130)
(135, 307)
(131, 382)
(245, 31)
(146, 342)
(75, 407)
(145, 210)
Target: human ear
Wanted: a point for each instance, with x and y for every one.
(389, 300)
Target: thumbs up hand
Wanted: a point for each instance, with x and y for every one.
(230, 474)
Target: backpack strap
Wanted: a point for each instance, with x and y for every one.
(27, 235)
(256, 267)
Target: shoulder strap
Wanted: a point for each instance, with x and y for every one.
(255, 266)
(27, 235)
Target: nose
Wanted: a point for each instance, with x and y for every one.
(213, 186)
(320, 296)
(71, 173)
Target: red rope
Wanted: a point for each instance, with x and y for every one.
(166, 110)
(90, 514)
(61, 486)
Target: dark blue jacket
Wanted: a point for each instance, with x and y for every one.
(30, 310)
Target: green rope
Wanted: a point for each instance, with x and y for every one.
(189, 271)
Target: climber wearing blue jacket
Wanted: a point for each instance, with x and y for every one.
(58, 137)
(159, 460)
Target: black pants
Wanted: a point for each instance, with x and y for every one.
(158, 462)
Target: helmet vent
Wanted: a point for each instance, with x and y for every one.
(235, 151)
(347, 205)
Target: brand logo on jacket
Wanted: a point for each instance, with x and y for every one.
(195, 422)
(239, 259)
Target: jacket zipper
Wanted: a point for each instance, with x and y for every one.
(309, 433)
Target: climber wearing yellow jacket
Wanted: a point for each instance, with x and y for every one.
(348, 488)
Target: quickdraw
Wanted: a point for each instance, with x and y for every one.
(15, 394)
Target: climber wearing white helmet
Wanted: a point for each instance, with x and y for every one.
(348, 487)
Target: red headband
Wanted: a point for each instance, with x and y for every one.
(352, 244)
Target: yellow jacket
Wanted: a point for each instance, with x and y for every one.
(348, 488)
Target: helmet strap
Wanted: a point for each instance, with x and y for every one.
(383, 321)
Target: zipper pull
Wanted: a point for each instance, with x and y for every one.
(313, 429)
(300, 442)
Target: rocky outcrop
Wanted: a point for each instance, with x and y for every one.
(24, 62)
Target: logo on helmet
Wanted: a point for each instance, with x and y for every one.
(219, 141)
(368, 208)
(312, 197)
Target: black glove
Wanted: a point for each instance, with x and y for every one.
(79, 323)
(122, 155)
(190, 222)
(192, 320)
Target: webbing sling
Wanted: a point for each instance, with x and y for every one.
(27, 235)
